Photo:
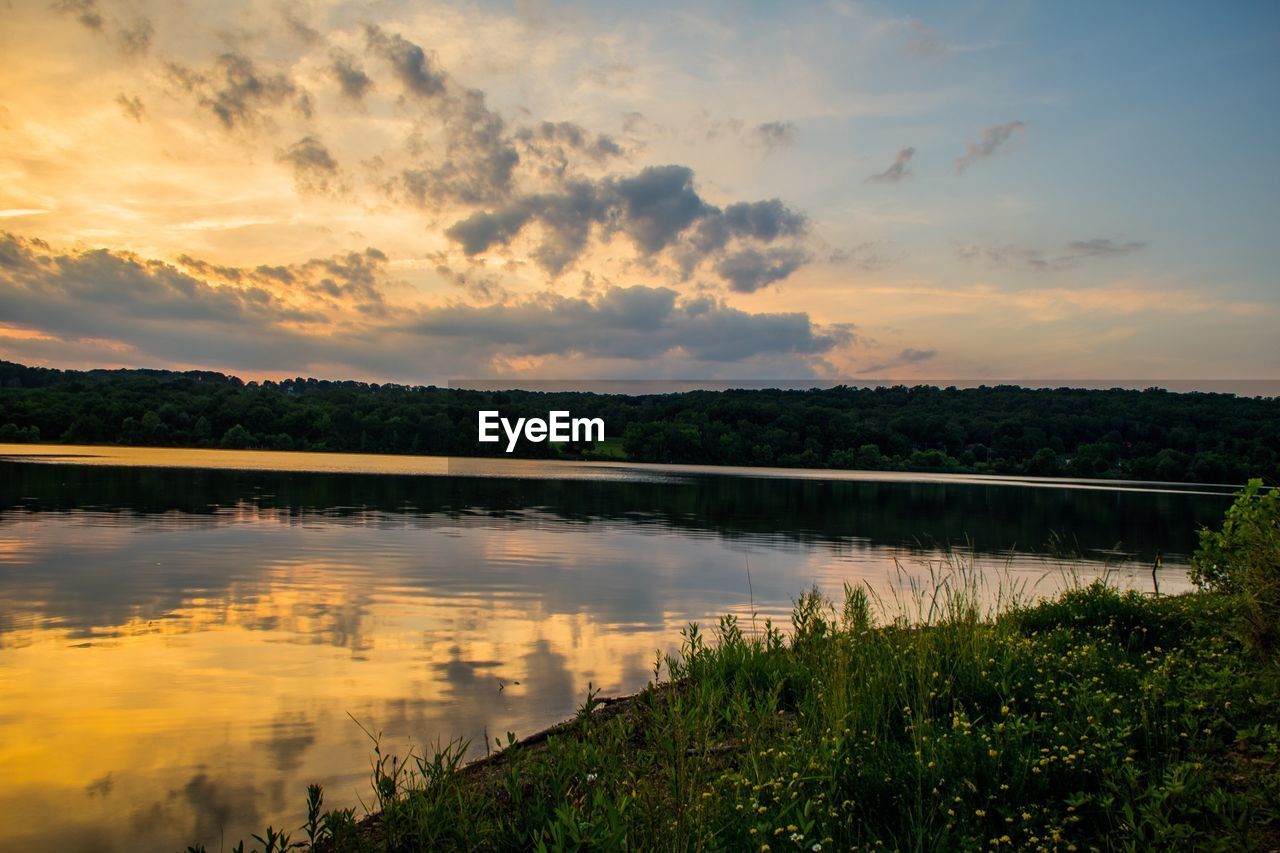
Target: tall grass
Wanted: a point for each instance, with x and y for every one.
(948, 717)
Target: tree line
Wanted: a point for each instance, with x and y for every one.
(1149, 435)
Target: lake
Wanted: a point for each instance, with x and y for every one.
(188, 637)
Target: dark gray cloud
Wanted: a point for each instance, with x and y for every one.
(350, 279)
(353, 276)
(1040, 261)
(764, 221)
(158, 307)
(295, 20)
(905, 357)
(95, 293)
(656, 208)
(314, 169)
(1005, 256)
(556, 144)
(482, 230)
(477, 283)
(132, 39)
(656, 205)
(871, 256)
(234, 89)
(639, 323)
(479, 160)
(748, 270)
(135, 39)
(898, 169)
(915, 356)
(633, 121)
(566, 218)
(305, 104)
(570, 135)
(775, 134)
(351, 77)
(543, 177)
(541, 181)
(483, 163)
(993, 138)
(85, 11)
(240, 318)
(132, 107)
(207, 270)
(410, 63)
(1101, 248)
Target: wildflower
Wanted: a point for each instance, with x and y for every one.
(591, 777)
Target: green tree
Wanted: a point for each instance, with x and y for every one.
(1243, 559)
(237, 437)
(1045, 463)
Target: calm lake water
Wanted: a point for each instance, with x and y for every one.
(185, 636)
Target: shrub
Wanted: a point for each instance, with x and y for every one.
(1099, 608)
(1243, 559)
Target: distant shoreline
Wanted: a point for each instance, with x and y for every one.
(325, 462)
(1082, 435)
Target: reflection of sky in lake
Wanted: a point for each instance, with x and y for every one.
(170, 673)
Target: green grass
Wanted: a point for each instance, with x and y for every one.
(1096, 720)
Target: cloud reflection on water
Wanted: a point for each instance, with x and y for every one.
(198, 639)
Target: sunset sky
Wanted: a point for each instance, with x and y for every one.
(413, 192)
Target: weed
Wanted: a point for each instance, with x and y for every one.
(1098, 719)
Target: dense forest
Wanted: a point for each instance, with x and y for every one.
(1150, 435)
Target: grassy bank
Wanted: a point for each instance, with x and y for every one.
(1097, 720)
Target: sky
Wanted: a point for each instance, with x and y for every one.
(412, 192)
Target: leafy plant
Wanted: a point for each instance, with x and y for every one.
(1243, 559)
(1097, 720)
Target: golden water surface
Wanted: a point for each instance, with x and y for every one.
(188, 638)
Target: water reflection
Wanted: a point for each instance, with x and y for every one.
(180, 649)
